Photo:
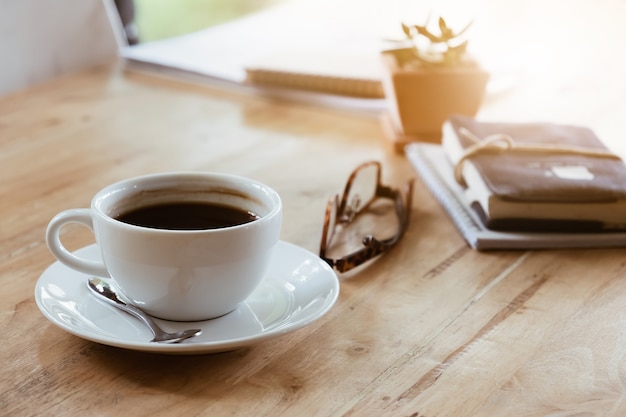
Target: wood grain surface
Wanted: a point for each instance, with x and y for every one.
(430, 329)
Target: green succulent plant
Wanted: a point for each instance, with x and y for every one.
(445, 48)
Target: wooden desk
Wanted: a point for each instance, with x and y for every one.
(431, 329)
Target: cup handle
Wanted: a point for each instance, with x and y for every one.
(81, 216)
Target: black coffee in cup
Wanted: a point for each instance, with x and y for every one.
(186, 216)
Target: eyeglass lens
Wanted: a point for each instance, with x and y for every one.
(360, 190)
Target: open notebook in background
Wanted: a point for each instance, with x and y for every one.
(347, 73)
(221, 54)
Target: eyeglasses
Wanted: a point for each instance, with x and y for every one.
(362, 190)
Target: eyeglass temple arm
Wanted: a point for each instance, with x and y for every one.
(372, 249)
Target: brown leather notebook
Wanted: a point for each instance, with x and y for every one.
(553, 190)
(550, 177)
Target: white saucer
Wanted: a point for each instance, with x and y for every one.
(298, 289)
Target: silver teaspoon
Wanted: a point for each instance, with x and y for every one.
(102, 289)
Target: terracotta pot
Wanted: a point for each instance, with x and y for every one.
(422, 98)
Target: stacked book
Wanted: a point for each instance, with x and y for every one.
(526, 185)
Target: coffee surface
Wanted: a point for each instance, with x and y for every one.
(187, 216)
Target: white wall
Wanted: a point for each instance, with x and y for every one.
(42, 39)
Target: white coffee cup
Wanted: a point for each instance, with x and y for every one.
(183, 275)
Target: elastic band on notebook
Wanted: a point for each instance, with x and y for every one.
(501, 142)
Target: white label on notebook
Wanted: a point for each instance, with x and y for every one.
(575, 172)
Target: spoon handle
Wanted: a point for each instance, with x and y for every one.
(102, 289)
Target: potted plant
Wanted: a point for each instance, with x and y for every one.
(429, 81)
